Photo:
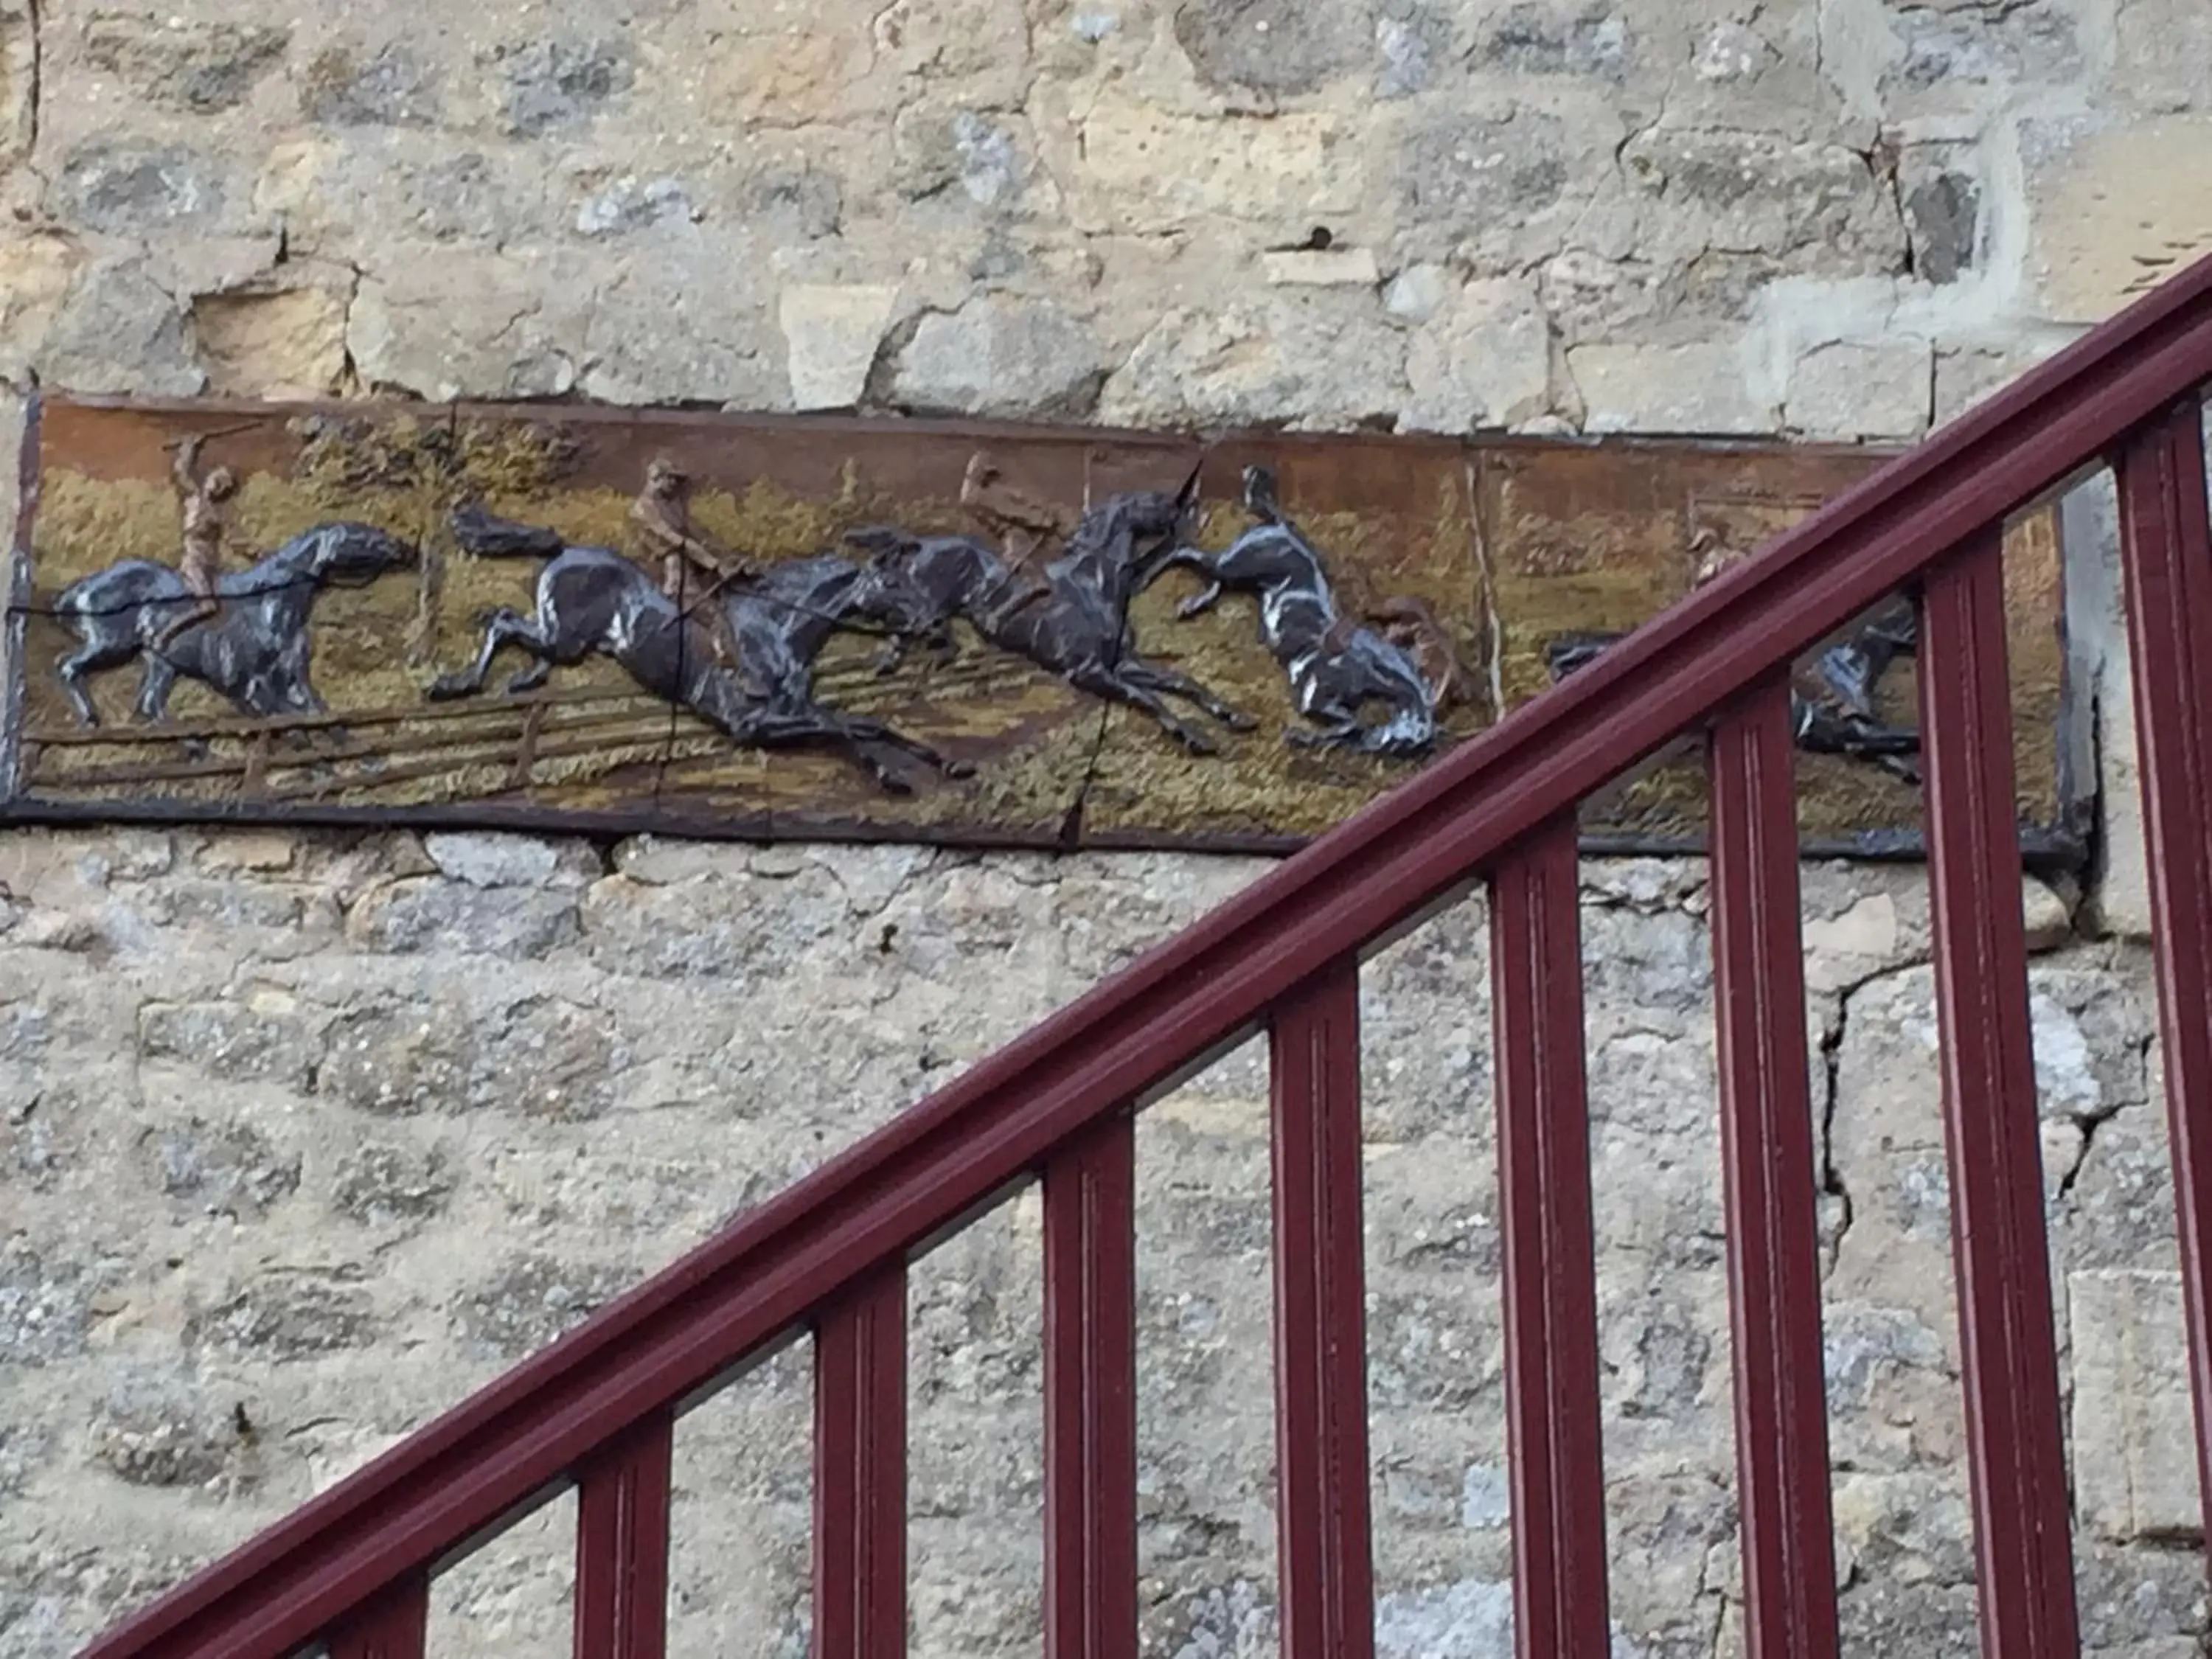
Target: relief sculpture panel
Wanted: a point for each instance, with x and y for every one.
(596, 620)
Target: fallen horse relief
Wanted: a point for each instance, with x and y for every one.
(598, 620)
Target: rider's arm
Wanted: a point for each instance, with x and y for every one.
(185, 465)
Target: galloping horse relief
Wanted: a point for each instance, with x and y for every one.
(593, 600)
(618, 620)
(1074, 620)
(1335, 666)
(256, 649)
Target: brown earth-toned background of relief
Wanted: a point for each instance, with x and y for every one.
(1599, 539)
(1510, 545)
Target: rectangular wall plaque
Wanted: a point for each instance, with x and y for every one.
(569, 618)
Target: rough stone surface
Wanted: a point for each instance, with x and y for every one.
(833, 333)
(710, 204)
(283, 1179)
(998, 355)
(1861, 389)
(303, 1137)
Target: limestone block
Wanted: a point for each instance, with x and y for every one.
(1687, 389)
(832, 333)
(1485, 360)
(277, 343)
(36, 274)
(1350, 267)
(2164, 54)
(1483, 179)
(1141, 168)
(1279, 46)
(1321, 359)
(792, 78)
(1963, 57)
(199, 68)
(999, 356)
(1861, 389)
(392, 87)
(442, 327)
(1819, 206)
(19, 77)
(485, 860)
(2114, 210)
(2132, 1417)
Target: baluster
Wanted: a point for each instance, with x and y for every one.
(1091, 1395)
(621, 1546)
(860, 1473)
(1767, 1166)
(1326, 1563)
(394, 1626)
(1556, 1446)
(2015, 1446)
(2168, 563)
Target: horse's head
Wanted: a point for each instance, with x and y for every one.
(348, 555)
(1567, 652)
(885, 592)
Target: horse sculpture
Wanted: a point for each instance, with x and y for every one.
(1335, 666)
(1075, 623)
(592, 599)
(257, 652)
(1830, 701)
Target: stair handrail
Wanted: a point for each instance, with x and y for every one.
(730, 1300)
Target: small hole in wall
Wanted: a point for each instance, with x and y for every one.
(1320, 238)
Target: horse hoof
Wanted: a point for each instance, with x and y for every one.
(891, 784)
(447, 687)
(1197, 744)
(1236, 720)
(958, 768)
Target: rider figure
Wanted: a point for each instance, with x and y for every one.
(205, 521)
(662, 514)
(1023, 525)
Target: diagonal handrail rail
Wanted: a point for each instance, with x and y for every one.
(1168, 1013)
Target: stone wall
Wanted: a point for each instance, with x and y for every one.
(1843, 218)
(303, 1136)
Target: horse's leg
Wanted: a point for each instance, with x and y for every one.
(778, 728)
(1102, 682)
(531, 678)
(503, 626)
(72, 669)
(153, 688)
(865, 730)
(1160, 677)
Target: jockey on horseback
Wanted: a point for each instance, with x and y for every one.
(1023, 525)
(662, 515)
(205, 501)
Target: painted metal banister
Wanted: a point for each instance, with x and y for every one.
(2015, 1437)
(1767, 1172)
(830, 1252)
(2168, 566)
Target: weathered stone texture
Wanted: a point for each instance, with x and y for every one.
(302, 1137)
(753, 204)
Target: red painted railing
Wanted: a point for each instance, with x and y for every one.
(596, 1410)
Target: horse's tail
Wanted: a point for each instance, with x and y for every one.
(490, 537)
